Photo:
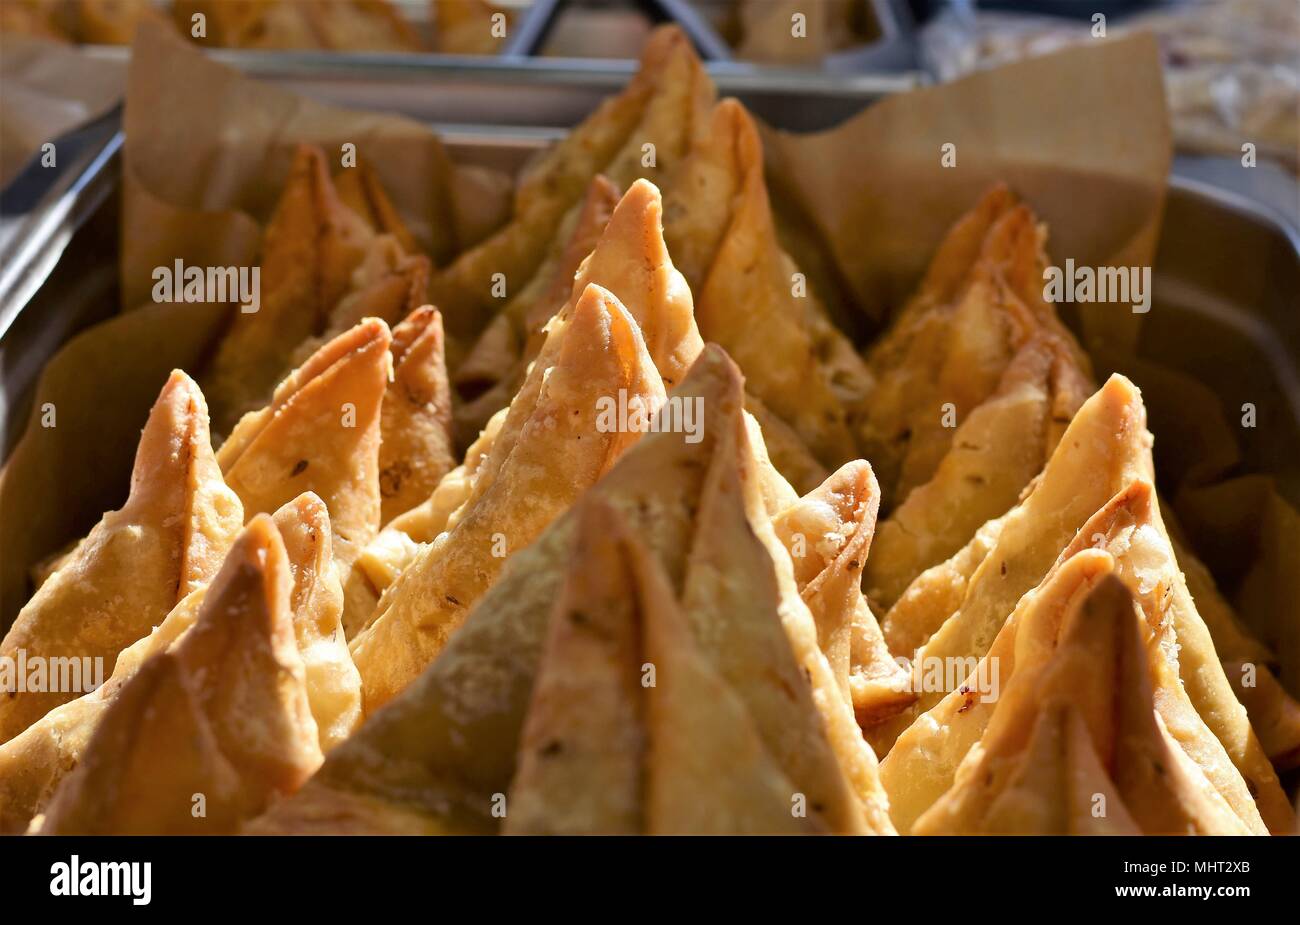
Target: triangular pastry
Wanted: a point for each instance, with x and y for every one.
(565, 440)
(442, 755)
(1041, 766)
(416, 448)
(203, 735)
(649, 111)
(720, 222)
(388, 284)
(630, 259)
(708, 768)
(320, 433)
(1106, 447)
(1077, 744)
(494, 368)
(360, 189)
(1197, 708)
(921, 765)
(941, 359)
(996, 450)
(582, 746)
(33, 763)
(829, 535)
(311, 246)
(167, 539)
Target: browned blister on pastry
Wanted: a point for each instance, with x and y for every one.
(204, 735)
(135, 565)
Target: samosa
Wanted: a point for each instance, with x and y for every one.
(320, 433)
(33, 763)
(564, 440)
(223, 717)
(996, 451)
(450, 741)
(167, 540)
(829, 535)
(1077, 744)
(416, 447)
(648, 124)
(311, 246)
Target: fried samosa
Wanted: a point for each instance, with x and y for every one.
(416, 448)
(630, 258)
(719, 226)
(320, 433)
(167, 540)
(205, 734)
(564, 440)
(1077, 744)
(996, 451)
(1194, 710)
(33, 763)
(311, 246)
(829, 536)
(950, 347)
(450, 741)
(647, 124)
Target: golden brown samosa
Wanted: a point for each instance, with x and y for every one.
(1106, 447)
(491, 373)
(1196, 708)
(1042, 764)
(360, 189)
(416, 448)
(1124, 772)
(320, 433)
(656, 108)
(921, 765)
(996, 451)
(449, 742)
(564, 440)
(630, 258)
(309, 250)
(33, 763)
(829, 535)
(720, 227)
(204, 735)
(950, 348)
(167, 540)
(582, 746)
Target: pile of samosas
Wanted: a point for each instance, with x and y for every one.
(703, 566)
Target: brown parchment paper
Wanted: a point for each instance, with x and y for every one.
(1081, 135)
(46, 89)
(207, 150)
